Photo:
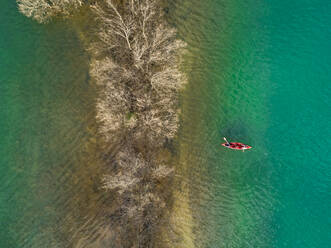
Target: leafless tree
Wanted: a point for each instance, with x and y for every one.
(136, 31)
(43, 10)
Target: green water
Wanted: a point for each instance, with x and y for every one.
(259, 73)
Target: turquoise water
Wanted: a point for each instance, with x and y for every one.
(260, 74)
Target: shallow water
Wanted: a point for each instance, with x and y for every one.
(49, 170)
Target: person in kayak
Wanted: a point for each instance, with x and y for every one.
(233, 145)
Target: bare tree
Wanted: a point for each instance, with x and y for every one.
(43, 10)
(135, 30)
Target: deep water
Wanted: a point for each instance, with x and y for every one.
(259, 73)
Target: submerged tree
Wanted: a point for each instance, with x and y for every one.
(136, 65)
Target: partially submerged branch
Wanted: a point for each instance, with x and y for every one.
(43, 10)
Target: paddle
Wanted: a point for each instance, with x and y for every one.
(226, 140)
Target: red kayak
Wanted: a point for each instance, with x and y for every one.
(236, 145)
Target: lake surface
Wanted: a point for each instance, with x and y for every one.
(259, 73)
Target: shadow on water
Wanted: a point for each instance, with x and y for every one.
(235, 131)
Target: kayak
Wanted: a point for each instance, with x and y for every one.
(236, 146)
